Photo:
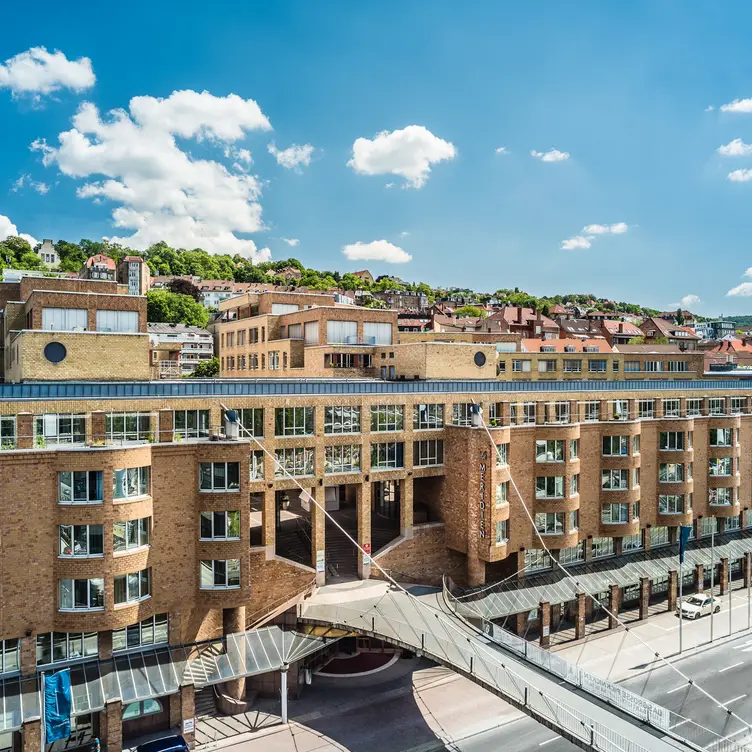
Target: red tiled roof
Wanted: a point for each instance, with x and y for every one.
(579, 345)
(100, 258)
(627, 328)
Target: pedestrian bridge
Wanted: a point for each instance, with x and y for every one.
(590, 712)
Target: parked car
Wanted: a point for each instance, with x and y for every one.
(165, 744)
(698, 605)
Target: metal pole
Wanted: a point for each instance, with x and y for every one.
(749, 590)
(681, 600)
(712, 572)
(728, 572)
(42, 722)
(283, 692)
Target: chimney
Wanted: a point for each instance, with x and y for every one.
(519, 314)
(621, 328)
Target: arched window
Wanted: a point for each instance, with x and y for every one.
(138, 709)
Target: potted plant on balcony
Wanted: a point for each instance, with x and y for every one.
(285, 500)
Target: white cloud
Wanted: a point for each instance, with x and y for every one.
(377, 250)
(743, 290)
(404, 234)
(9, 230)
(688, 301)
(735, 148)
(738, 105)
(291, 241)
(616, 229)
(502, 150)
(550, 156)
(25, 180)
(740, 176)
(162, 191)
(37, 71)
(709, 108)
(409, 153)
(578, 241)
(293, 157)
(389, 185)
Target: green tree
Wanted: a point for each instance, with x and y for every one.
(469, 311)
(207, 369)
(679, 317)
(171, 308)
(72, 256)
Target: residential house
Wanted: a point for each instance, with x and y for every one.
(654, 328)
(403, 299)
(365, 275)
(134, 272)
(98, 266)
(192, 343)
(48, 253)
(619, 332)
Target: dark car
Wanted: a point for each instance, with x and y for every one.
(165, 744)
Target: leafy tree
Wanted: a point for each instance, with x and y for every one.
(207, 369)
(30, 260)
(182, 286)
(72, 256)
(679, 317)
(469, 311)
(171, 308)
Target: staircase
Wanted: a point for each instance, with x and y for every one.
(205, 703)
(341, 555)
(294, 541)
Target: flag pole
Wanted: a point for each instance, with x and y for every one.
(681, 600)
(712, 572)
(42, 722)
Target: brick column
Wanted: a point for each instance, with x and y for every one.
(233, 621)
(363, 500)
(98, 428)
(723, 576)
(644, 596)
(406, 505)
(520, 624)
(476, 571)
(25, 431)
(579, 625)
(104, 643)
(544, 610)
(28, 656)
(673, 589)
(182, 709)
(174, 628)
(32, 737)
(699, 578)
(165, 425)
(318, 533)
(746, 571)
(269, 522)
(111, 726)
(614, 599)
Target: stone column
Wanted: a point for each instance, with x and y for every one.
(673, 589)
(233, 621)
(406, 506)
(318, 534)
(723, 576)
(28, 656)
(182, 709)
(269, 522)
(644, 596)
(25, 431)
(166, 426)
(544, 610)
(746, 571)
(699, 578)
(579, 625)
(98, 428)
(476, 571)
(111, 726)
(520, 624)
(104, 643)
(363, 500)
(32, 737)
(614, 598)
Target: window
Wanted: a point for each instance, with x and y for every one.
(614, 514)
(549, 450)
(142, 634)
(547, 366)
(732, 523)
(549, 523)
(549, 487)
(502, 494)
(597, 366)
(220, 574)
(80, 487)
(252, 420)
(59, 647)
(672, 441)
(281, 308)
(708, 525)
(293, 421)
(720, 466)
(614, 480)
(344, 458)
(132, 587)
(574, 520)
(645, 408)
(81, 540)
(658, 536)
(219, 476)
(717, 405)
(653, 366)
(191, 424)
(7, 432)
(65, 319)
(537, 558)
(344, 419)
(678, 366)
(426, 417)
(230, 339)
(671, 408)
(521, 366)
(387, 456)
(220, 525)
(502, 532)
(130, 483)
(572, 555)
(462, 414)
(574, 485)
(615, 446)
(294, 331)
(341, 332)
(631, 366)
(117, 321)
(311, 332)
(256, 462)
(621, 409)
(738, 405)
(387, 418)
(719, 497)
(602, 547)
(635, 445)
(123, 427)
(502, 455)
(558, 412)
(694, 407)
(59, 429)
(274, 360)
(670, 472)
(720, 437)
(81, 595)
(524, 412)
(635, 477)
(298, 461)
(591, 411)
(426, 453)
(130, 535)
(141, 708)
(377, 334)
(10, 656)
(631, 543)
(571, 365)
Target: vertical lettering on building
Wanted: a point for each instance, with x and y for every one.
(482, 492)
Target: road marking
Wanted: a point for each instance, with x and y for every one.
(743, 645)
(548, 741)
(677, 689)
(681, 723)
(728, 702)
(728, 668)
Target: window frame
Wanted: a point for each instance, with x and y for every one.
(216, 573)
(138, 581)
(229, 523)
(72, 532)
(210, 480)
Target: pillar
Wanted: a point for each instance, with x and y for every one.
(269, 522)
(104, 643)
(182, 710)
(746, 571)
(723, 576)
(544, 611)
(579, 624)
(32, 737)
(25, 431)
(98, 428)
(406, 507)
(673, 590)
(520, 623)
(233, 622)
(363, 500)
(111, 726)
(699, 578)
(318, 534)
(614, 599)
(166, 426)
(476, 571)
(644, 597)
(29, 656)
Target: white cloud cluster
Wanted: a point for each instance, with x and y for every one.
(162, 191)
(740, 176)
(291, 241)
(735, 148)
(738, 105)
(550, 156)
(377, 250)
(408, 152)
(27, 180)
(744, 290)
(294, 157)
(589, 234)
(501, 150)
(9, 230)
(689, 301)
(37, 72)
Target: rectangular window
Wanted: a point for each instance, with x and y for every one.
(549, 523)
(732, 523)
(574, 484)
(191, 424)
(502, 535)
(65, 319)
(132, 587)
(278, 309)
(671, 441)
(597, 366)
(547, 366)
(343, 458)
(256, 461)
(636, 477)
(658, 536)
(10, 656)
(615, 446)
(572, 366)
(615, 480)
(125, 427)
(631, 366)
(428, 417)
(219, 476)
(645, 408)
(293, 421)
(131, 483)
(678, 366)
(709, 525)
(694, 406)
(80, 487)
(294, 331)
(387, 418)
(528, 413)
(129, 535)
(342, 332)
(549, 450)
(311, 332)
(614, 514)
(537, 558)
(521, 366)
(297, 462)
(502, 455)
(720, 437)
(574, 520)
(7, 432)
(219, 574)
(342, 419)
(142, 634)
(117, 321)
(558, 412)
(462, 414)
(621, 409)
(653, 366)
(387, 456)
(720, 466)
(274, 360)
(549, 487)
(635, 445)
(81, 540)
(603, 547)
(220, 525)
(572, 555)
(61, 647)
(671, 472)
(428, 453)
(81, 595)
(502, 494)
(738, 406)
(631, 543)
(671, 408)
(252, 420)
(591, 411)
(719, 497)
(59, 429)
(377, 333)
(717, 406)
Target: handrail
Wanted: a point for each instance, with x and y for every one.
(251, 621)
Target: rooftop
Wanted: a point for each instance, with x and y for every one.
(164, 328)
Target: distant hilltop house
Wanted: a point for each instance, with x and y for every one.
(99, 267)
(689, 318)
(365, 275)
(288, 273)
(134, 272)
(48, 253)
(654, 327)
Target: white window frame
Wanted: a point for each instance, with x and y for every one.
(622, 446)
(428, 416)
(210, 567)
(502, 493)
(94, 480)
(214, 477)
(549, 487)
(671, 472)
(123, 485)
(135, 534)
(296, 461)
(85, 552)
(549, 450)
(294, 421)
(387, 456)
(387, 418)
(68, 595)
(615, 479)
(137, 587)
(342, 459)
(428, 453)
(342, 419)
(674, 441)
(157, 626)
(213, 518)
(462, 414)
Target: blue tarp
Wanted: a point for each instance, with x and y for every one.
(57, 706)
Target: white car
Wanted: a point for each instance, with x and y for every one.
(698, 605)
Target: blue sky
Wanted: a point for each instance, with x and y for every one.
(621, 88)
